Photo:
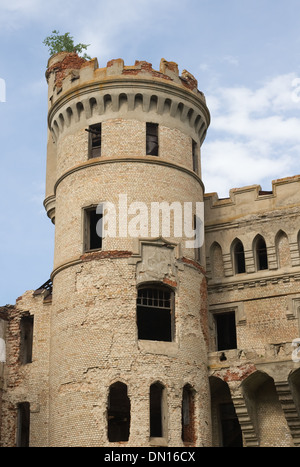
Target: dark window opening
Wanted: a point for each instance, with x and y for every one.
(152, 139)
(231, 430)
(155, 314)
(226, 330)
(239, 258)
(94, 140)
(26, 339)
(195, 156)
(156, 410)
(93, 227)
(23, 425)
(118, 413)
(261, 254)
(188, 421)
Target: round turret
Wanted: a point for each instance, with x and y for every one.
(129, 326)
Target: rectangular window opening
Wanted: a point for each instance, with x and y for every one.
(226, 330)
(26, 339)
(94, 140)
(152, 139)
(93, 226)
(23, 425)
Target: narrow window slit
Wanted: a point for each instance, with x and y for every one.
(152, 139)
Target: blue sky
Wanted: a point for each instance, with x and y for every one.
(245, 55)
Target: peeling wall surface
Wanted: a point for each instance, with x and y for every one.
(221, 367)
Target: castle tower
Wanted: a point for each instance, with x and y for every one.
(128, 336)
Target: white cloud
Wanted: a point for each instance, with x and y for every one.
(233, 164)
(254, 135)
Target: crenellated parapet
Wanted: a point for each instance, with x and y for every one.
(79, 91)
(252, 200)
(259, 224)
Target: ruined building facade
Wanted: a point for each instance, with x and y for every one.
(142, 337)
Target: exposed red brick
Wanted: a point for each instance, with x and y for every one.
(239, 373)
(193, 263)
(71, 62)
(95, 255)
(141, 66)
(169, 282)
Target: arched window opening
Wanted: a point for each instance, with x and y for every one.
(226, 429)
(157, 410)
(155, 314)
(216, 260)
(283, 249)
(239, 258)
(261, 254)
(230, 426)
(118, 413)
(188, 415)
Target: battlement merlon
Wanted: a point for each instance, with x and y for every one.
(66, 70)
(252, 200)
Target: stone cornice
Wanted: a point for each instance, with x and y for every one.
(235, 283)
(142, 160)
(163, 97)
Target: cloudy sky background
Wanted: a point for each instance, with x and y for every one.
(245, 55)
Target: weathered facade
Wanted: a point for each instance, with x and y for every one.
(142, 337)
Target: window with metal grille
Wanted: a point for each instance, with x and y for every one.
(155, 314)
(152, 139)
(94, 140)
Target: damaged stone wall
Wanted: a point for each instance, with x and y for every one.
(26, 382)
(99, 337)
(265, 303)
